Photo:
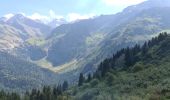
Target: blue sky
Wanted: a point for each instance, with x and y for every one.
(68, 9)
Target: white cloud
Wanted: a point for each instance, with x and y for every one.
(122, 2)
(8, 16)
(75, 16)
(37, 16)
(45, 18)
(52, 15)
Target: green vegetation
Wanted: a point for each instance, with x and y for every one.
(91, 41)
(137, 73)
(47, 93)
(20, 75)
(44, 63)
(81, 80)
(144, 75)
(36, 41)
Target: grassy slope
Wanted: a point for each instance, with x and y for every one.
(146, 80)
(36, 41)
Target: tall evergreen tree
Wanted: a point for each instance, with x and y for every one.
(144, 48)
(65, 86)
(81, 79)
(89, 77)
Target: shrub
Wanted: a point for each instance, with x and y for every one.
(110, 78)
(94, 82)
(137, 67)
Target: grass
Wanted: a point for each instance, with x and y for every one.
(36, 41)
(58, 69)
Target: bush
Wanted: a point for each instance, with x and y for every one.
(89, 94)
(85, 86)
(94, 82)
(110, 78)
(137, 67)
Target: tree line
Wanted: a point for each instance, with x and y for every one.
(46, 93)
(130, 57)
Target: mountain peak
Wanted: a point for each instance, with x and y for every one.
(157, 3)
(148, 4)
(18, 16)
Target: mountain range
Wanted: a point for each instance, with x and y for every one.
(65, 49)
(82, 45)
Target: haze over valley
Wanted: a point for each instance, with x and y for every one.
(61, 51)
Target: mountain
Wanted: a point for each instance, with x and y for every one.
(29, 27)
(3, 19)
(140, 72)
(10, 37)
(72, 37)
(18, 30)
(18, 51)
(81, 46)
(148, 4)
(20, 75)
(137, 73)
(143, 26)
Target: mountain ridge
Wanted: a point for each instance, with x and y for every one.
(137, 73)
(110, 34)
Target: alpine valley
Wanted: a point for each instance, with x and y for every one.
(121, 56)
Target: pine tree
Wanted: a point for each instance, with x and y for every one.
(128, 57)
(144, 48)
(59, 90)
(81, 79)
(89, 77)
(65, 86)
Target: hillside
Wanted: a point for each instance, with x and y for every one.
(79, 47)
(64, 50)
(84, 44)
(133, 73)
(29, 27)
(140, 28)
(21, 75)
(10, 37)
(19, 30)
(138, 73)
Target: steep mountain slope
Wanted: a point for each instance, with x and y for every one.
(144, 78)
(17, 51)
(18, 30)
(76, 40)
(18, 74)
(142, 27)
(29, 27)
(9, 37)
(84, 44)
(70, 38)
(136, 73)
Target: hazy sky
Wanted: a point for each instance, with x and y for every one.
(68, 9)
